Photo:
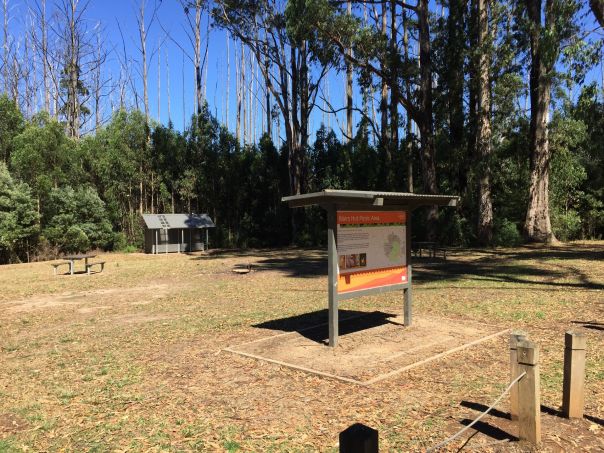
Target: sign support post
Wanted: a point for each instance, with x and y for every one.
(332, 277)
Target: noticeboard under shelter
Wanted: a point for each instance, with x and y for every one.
(165, 233)
(368, 243)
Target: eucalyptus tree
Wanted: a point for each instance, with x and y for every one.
(373, 53)
(279, 36)
(76, 60)
(550, 25)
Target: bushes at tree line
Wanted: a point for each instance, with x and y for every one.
(76, 195)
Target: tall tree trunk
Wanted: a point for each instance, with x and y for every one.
(426, 123)
(349, 87)
(239, 94)
(537, 225)
(5, 47)
(455, 95)
(393, 140)
(168, 85)
(45, 56)
(197, 59)
(485, 203)
(409, 123)
(73, 101)
(597, 7)
(228, 80)
(243, 94)
(267, 88)
(385, 145)
(158, 84)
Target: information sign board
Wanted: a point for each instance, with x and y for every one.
(371, 249)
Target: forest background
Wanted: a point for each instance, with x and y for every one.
(499, 102)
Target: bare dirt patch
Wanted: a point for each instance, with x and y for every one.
(114, 295)
(10, 423)
(371, 346)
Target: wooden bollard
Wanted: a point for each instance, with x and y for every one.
(573, 390)
(529, 397)
(359, 438)
(515, 337)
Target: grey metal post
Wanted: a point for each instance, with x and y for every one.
(155, 251)
(207, 240)
(332, 276)
(167, 240)
(408, 300)
(407, 292)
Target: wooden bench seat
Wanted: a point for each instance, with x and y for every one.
(57, 265)
(101, 264)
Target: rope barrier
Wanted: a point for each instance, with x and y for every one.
(465, 428)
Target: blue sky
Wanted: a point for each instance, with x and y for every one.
(171, 18)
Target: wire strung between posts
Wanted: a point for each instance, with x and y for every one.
(465, 428)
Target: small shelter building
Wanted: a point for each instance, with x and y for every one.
(165, 233)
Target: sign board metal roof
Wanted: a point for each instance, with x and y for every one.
(370, 198)
(177, 221)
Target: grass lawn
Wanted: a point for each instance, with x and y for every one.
(131, 359)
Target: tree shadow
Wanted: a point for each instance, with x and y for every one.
(495, 270)
(300, 263)
(314, 325)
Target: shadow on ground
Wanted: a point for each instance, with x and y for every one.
(314, 325)
(502, 266)
(494, 265)
(301, 263)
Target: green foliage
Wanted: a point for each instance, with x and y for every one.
(45, 158)
(11, 124)
(18, 217)
(566, 225)
(506, 233)
(76, 220)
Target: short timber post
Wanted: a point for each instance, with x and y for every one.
(332, 276)
(529, 398)
(573, 390)
(516, 337)
(359, 438)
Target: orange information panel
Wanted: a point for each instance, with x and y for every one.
(371, 247)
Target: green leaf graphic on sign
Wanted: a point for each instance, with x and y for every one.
(392, 248)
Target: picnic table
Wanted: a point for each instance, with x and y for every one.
(424, 245)
(431, 247)
(73, 258)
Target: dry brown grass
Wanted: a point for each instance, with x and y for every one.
(130, 359)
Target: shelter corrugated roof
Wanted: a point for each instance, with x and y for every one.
(177, 221)
(370, 197)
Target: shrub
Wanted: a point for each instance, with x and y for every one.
(566, 226)
(120, 242)
(70, 215)
(75, 240)
(506, 234)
